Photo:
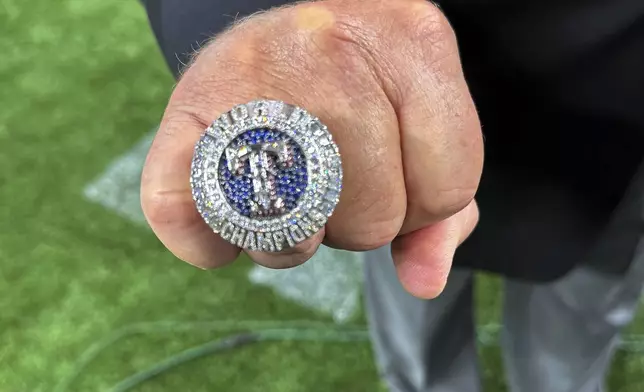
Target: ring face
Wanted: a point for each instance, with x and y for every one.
(266, 175)
(262, 173)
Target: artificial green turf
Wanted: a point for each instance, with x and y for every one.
(81, 81)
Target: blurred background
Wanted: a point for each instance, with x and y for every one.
(91, 301)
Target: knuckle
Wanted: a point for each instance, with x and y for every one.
(425, 19)
(379, 237)
(429, 30)
(446, 203)
(168, 208)
(344, 42)
(373, 228)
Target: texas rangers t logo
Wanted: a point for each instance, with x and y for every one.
(263, 160)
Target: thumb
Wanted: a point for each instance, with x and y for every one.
(423, 258)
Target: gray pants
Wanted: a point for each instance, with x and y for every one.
(557, 337)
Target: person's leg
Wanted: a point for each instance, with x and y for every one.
(421, 345)
(560, 337)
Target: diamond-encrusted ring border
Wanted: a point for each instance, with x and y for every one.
(315, 206)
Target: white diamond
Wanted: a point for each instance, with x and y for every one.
(276, 109)
(331, 195)
(296, 115)
(326, 208)
(239, 113)
(316, 129)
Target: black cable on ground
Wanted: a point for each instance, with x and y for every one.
(190, 354)
(332, 334)
(303, 330)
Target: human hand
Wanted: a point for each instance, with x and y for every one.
(386, 79)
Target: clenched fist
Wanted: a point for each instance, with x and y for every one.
(386, 79)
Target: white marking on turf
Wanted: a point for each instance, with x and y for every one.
(117, 188)
(328, 283)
